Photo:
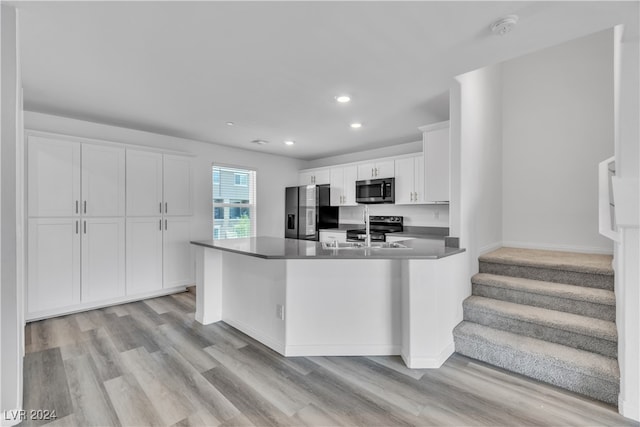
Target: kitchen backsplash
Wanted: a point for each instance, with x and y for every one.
(414, 215)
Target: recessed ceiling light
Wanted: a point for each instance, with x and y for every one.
(259, 141)
(230, 123)
(343, 98)
(289, 142)
(356, 125)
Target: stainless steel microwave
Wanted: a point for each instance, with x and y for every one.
(376, 191)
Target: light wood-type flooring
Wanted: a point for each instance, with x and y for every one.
(151, 363)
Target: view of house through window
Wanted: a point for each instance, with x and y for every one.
(234, 202)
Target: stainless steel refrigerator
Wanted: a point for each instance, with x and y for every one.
(307, 210)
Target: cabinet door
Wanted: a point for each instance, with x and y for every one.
(385, 169)
(178, 187)
(144, 183)
(404, 181)
(144, 255)
(350, 178)
(366, 171)
(103, 172)
(178, 268)
(53, 264)
(322, 176)
(436, 154)
(305, 178)
(103, 258)
(418, 179)
(336, 186)
(53, 177)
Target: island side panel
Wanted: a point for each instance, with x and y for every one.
(208, 285)
(432, 295)
(343, 307)
(252, 290)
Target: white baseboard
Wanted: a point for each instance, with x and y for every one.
(256, 335)
(489, 248)
(342, 350)
(12, 417)
(206, 320)
(429, 362)
(63, 311)
(555, 247)
(629, 409)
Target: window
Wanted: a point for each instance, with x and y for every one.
(234, 202)
(241, 179)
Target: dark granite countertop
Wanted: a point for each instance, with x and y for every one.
(280, 248)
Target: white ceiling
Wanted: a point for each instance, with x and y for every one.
(273, 68)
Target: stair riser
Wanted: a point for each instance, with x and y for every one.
(583, 308)
(549, 275)
(539, 368)
(545, 333)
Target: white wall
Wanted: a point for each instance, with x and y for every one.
(477, 197)
(558, 125)
(11, 327)
(274, 173)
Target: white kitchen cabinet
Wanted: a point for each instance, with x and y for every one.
(53, 177)
(178, 268)
(315, 176)
(54, 263)
(377, 169)
(330, 236)
(177, 185)
(435, 143)
(103, 259)
(343, 185)
(103, 174)
(409, 182)
(144, 254)
(144, 183)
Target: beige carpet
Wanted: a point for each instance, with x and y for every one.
(556, 260)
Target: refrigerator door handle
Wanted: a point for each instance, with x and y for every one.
(291, 221)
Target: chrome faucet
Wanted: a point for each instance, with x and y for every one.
(367, 239)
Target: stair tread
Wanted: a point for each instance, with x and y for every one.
(559, 290)
(579, 361)
(555, 260)
(550, 318)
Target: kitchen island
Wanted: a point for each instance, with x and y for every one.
(301, 298)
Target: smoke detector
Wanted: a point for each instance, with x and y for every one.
(504, 25)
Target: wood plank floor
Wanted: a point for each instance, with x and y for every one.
(151, 363)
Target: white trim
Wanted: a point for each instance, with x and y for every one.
(489, 248)
(46, 314)
(268, 341)
(361, 162)
(556, 247)
(342, 350)
(434, 126)
(80, 139)
(429, 362)
(628, 409)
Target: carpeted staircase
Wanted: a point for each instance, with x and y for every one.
(545, 314)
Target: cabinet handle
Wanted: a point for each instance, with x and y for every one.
(85, 227)
(160, 207)
(77, 206)
(165, 224)
(77, 226)
(415, 197)
(166, 207)
(160, 225)
(372, 174)
(376, 171)
(85, 206)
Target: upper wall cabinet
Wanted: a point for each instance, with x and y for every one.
(177, 184)
(316, 176)
(410, 180)
(69, 178)
(343, 185)
(378, 169)
(435, 146)
(53, 177)
(144, 183)
(103, 173)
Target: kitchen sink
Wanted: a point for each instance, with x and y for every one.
(359, 245)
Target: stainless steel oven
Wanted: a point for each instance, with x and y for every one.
(380, 226)
(376, 191)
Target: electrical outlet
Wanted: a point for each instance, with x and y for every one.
(280, 311)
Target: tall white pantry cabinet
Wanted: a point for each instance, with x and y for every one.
(90, 242)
